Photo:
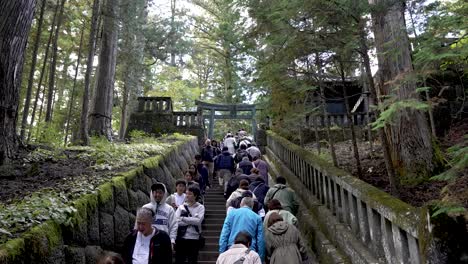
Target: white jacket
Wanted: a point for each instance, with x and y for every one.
(197, 211)
(236, 252)
(164, 218)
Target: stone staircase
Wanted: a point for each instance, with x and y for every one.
(215, 212)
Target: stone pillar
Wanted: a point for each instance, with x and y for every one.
(254, 125)
(261, 138)
(211, 130)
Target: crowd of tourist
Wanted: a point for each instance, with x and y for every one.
(260, 224)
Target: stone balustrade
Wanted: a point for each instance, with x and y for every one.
(354, 215)
(340, 120)
(154, 104)
(186, 119)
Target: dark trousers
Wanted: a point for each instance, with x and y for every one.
(186, 251)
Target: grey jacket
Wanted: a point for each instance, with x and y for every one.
(197, 211)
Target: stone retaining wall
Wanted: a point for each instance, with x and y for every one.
(365, 224)
(104, 219)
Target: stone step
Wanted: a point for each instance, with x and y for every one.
(211, 232)
(210, 246)
(215, 207)
(214, 227)
(208, 255)
(212, 239)
(213, 220)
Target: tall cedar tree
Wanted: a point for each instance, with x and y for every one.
(53, 64)
(14, 30)
(84, 138)
(37, 40)
(101, 116)
(409, 134)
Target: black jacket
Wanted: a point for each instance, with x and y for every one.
(160, 248)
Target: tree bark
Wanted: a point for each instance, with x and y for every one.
(43, 70)
(409, 134)
(392, 177)
(101, 117)
(135, 17)
(71, 101)
(14, 30)
(27, 103)
(84, 137)
(324, 110)
(50, 94)
(351, 119)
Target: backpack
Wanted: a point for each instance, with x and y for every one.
(241, 154)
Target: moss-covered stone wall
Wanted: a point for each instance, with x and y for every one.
(102, 220)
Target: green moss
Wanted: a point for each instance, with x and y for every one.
(119, 183)
(153, 162)
(40, 240)
(105, 192)
(12, 250)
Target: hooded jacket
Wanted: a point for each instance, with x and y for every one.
(164, 217)
(286, 215)
(284, 244)
(285, 195)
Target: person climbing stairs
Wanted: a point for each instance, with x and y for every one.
(215, 212)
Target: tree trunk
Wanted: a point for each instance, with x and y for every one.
(101, 118)
(27, 103)
(43, 70)
(409, 134)
(392, 177)
(324, 110)
(71, 101)
(350, 117)
(135, 17)
(50, 94)
(172, 34)
(84, 138)
(14, 30)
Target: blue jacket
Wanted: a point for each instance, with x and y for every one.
(225, 161)
(243, 219)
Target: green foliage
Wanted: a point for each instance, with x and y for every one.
(34, 209)
(447, 208)
(394, 110)
(458, 162)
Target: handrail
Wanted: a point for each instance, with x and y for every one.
(341, 120)
(390, 227)
(186, 119)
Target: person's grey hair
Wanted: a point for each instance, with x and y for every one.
(245, 158)
(247, 201)
(145, 213)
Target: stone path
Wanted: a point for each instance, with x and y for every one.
(215, 212)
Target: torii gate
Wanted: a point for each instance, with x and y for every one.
(208, 111)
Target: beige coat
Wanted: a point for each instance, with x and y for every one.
(236, 252)
(284, 244)
(286, 215)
